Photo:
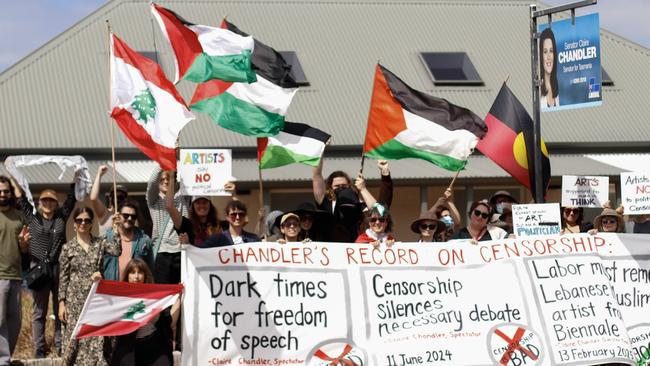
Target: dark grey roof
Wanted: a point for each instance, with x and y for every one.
(57, 97)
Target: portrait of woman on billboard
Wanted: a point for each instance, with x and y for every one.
(550, 96)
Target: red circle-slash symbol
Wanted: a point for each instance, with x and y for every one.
(336, 361)
(513, 345)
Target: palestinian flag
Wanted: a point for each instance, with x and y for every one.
(296, 143)
(115, 308)
(510, 132)
(146, 105)
(405, 123)
(255, 109)
(204, 53)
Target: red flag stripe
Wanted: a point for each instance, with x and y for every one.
(183, 40)
(262, 142)
(138, 290)
(150, 70)
(165, 156)
(386, 117)
(210, 89)
(498, 146)
(116, 328)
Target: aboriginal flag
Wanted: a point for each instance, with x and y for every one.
(510, 131)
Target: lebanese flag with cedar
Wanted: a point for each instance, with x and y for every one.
(116, 308)
(146, 106)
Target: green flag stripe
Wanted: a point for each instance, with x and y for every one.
(277, 156)
(239, 116)
(394, 150)
(235, 68)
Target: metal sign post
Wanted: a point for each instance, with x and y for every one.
(534, 37)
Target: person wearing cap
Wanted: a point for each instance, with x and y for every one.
(609, 221)
(105, 214)
(47, 230)
(429, 228)
(314, 223)
(379, 229)
(290, 228)
(500, 201)
(133, 241)
(203, 220)
(237, 216)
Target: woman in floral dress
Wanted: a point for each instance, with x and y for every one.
(81, 263)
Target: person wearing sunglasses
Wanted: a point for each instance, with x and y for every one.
(478, 229)
(47, 230)
(81, 264)
(429, 228)
(135, 243)
(609, 221)
(237, 217)
(379, 229)
(572, 221)
(290, 228)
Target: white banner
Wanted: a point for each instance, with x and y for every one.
(584, 191)
(203, 172)
(536, 219)
(553, 300)
(635, 193)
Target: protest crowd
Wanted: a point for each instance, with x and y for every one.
(343, 211)
(112, 243)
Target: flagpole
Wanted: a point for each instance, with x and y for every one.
(261, 198)
(108, 26)
(453, 180)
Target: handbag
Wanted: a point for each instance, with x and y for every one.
(39, 276)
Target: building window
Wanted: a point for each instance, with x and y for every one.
(296, 70)
(606, 80)
(451, 68)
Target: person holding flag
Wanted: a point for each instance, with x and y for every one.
(81, 263)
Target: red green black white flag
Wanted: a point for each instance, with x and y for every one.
(296, 143)
(406, 123)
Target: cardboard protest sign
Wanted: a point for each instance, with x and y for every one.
(584, 191)
(203, 172)
(635, 193)
(536, 219)
(570, 70)
(549, 300)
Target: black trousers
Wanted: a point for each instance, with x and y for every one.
(167, 268)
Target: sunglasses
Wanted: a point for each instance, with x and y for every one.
(131, 217)
(234, 215)
(290, 224)
(609, 221)
(377, 219)
(5, 191)
(568, 211)
(83, 221)
(478, 213)
(428, 226)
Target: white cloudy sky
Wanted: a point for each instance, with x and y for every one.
(26, 25)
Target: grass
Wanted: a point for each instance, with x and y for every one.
(25, 346)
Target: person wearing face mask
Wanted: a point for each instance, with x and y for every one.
(47, 231)
(501, 201)
(133, 241)
(445, 210)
